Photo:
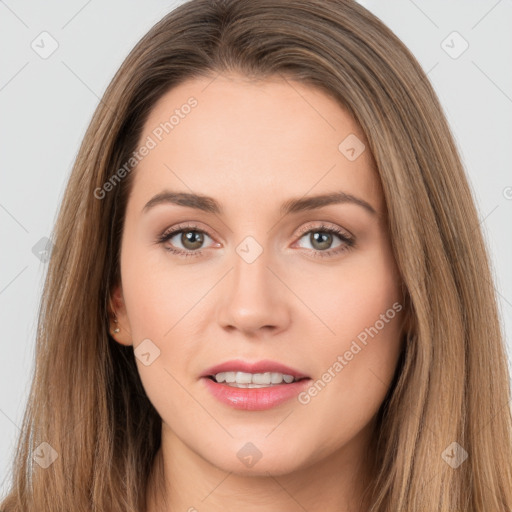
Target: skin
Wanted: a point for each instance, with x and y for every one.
(251, 146)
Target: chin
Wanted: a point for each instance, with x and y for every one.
(248, 462)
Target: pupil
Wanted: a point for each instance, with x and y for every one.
(325, 239)
(192, 239)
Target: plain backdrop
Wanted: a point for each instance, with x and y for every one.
(47, 101)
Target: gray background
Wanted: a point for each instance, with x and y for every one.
(47, 103)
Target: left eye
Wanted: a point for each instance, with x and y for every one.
(321, 240)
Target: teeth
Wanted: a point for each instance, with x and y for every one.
(253, 380)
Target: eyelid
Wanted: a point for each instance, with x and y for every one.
(323, 225)
(192, 226)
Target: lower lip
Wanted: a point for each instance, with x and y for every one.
(255, 399)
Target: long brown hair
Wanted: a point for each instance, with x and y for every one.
(452, 384)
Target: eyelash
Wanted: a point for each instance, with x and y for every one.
(349, 242)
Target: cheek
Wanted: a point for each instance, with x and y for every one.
(358, 360)
(158, 298)
(354, 379)
(354, 296)
(158, 293)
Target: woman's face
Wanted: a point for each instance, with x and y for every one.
(258, 276)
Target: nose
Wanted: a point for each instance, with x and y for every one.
(254, 299)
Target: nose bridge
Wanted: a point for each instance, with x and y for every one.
(250, 274)
(253, 298)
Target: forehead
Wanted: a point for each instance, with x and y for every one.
(253, 141)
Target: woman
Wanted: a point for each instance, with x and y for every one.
(268, 289)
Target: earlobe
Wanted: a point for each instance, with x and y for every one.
(119, 327)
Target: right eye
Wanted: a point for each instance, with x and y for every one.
(190, 237)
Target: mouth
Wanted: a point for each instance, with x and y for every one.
(239, 373)
(254, 386)
(254, 380)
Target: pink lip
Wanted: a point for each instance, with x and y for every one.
(237, 365)
(254, 399)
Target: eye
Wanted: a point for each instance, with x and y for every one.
(321, 239)
(186, 240)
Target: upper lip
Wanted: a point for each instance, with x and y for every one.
(237, 365)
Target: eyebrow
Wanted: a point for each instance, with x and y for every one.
(210, 205)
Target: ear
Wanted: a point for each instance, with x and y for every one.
(119, 318)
